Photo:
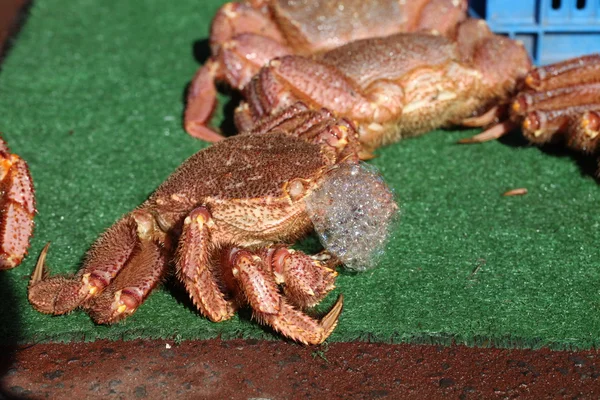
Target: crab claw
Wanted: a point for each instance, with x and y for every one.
(302, 328)
(58, 294)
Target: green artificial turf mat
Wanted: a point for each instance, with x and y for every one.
(92, 96)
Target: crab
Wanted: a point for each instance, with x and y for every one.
(246, 35)
(224, 218)
(398, 86)
(17, 208)
(559, 103)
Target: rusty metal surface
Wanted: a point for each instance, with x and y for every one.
(240, 369)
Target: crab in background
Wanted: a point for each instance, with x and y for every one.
(397, 86)
(17, 208)
(245, 35)
(225, 219)
(559, 103)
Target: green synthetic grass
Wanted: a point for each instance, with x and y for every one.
(92, 96)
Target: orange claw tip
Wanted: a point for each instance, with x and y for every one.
(330, 321)
(515, 192)
(592, 121)
(40, 267)
(533, 79)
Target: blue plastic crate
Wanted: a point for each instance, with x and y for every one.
(552, 30)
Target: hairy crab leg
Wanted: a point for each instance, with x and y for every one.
(62, 294)
(17, 208)
(261, 291)
(307, 280)
(320, 127)
(132, 285)
(193, 267)
(493, 114)
(287, 79)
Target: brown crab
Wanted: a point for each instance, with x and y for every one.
(246, 35)
(224, 218)
(559, 103)
(17, 208)
(401, 85)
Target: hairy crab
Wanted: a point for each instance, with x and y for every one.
(17, 208)
(559, 103)
(397, 86)
(224, 218)
(246, 35)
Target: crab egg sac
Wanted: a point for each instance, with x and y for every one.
(353, 213)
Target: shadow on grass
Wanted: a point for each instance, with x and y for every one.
(587, 164)
(14, 15)
(10, 329)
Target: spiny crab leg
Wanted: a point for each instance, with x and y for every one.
(306, 279)
(108, 256)
(193, 267)
(261, 291)
(17, 208)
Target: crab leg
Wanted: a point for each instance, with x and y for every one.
(566, 73)
(131, 286)
(261, 291)
(237, 57)
(201, 102)
(561, 101)
(110, 253)
(17, 208)
(319, 127)
(307, 279)
(193, 267)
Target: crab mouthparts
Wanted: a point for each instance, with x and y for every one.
(353, 212)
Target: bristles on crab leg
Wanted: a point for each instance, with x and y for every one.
(261, 291)
(193, 267)
(307, 280)
(17, 208)
(61, 294)
(131, 286)
(302, 328)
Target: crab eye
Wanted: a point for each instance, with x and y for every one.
(296, 189)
